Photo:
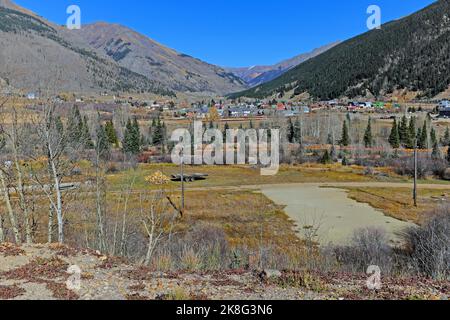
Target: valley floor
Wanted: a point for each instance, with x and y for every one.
(246, 217)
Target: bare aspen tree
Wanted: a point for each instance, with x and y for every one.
(4, 168)
(12, 215)
(153, 223)
(157, 221)
(102, 149)
(2, 232)
(113, 247)
(54, 140)
(125, 213)
(50, 224)
(14, 139)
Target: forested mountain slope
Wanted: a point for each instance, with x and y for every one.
(411, 54)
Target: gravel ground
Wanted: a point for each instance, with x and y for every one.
(40, 272)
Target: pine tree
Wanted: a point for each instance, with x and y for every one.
(411, 134)
(86, 138)
(158, 134)
(136, 126)
(423, 139)
(131, 138)
(111, 133)
(403, 131)
(446, 140)
(137, 134)
(433, 137)
(290, 131)
(103, 145)
(127, 137)
(75, 127)
(345, 139)
(394, 138)
(418, 137)
(436, 154)
(298, 131)
(326, 158)
(368, 138)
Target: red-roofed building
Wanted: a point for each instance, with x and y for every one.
(281, 107)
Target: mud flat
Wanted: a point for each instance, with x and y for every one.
(337, 215)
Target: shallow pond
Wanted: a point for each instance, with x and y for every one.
(337, 215)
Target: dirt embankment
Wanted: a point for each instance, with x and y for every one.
(57, 272)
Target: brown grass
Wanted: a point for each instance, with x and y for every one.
(398, 202)
(235, 175)
(248, 218)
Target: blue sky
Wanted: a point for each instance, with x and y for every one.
(234, 32)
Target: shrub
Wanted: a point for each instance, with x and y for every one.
(210, 244)
(368, 246)
(190, 260)
(428, 246)
(405, 167)
(163, 261)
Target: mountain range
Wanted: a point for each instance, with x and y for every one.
(37, 54)
(257, 75)
(406, 57)
(140, 54)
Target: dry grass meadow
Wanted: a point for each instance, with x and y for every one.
(397, 202)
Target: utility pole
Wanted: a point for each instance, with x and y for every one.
(182, 180)
(415, 173)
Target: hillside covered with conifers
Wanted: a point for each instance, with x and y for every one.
(410, 54)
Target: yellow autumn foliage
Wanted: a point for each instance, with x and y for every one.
(157, 178)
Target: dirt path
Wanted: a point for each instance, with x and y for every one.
(324, 185)
(294, 185)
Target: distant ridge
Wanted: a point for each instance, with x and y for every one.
(409, 56)
(257, 75)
